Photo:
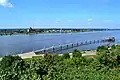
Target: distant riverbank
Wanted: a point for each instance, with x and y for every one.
(10, 34)
(45, 31)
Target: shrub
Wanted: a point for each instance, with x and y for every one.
(107, 59)
(56, 57)
(7, 61)
(113, 47)
(47, 56)
(102, 48)
(118, 46)
(66, 56)
(77, 53)
(118, 59)
(75, 50)
(48, 59)
(12, 68)
(52, 67)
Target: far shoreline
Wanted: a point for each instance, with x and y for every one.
(30, 31)
(40, 33)
(44, 33)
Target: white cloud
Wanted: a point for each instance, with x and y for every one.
(5, 3)
(89, 22)
(57, 20)
(90, 19)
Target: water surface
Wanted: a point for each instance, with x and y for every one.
(26, 43)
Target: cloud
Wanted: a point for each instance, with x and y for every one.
(6, 3)
(89, 22)
(37, 22)
(57, 20)
(90, 19)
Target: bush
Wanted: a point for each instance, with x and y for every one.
(12, 68)
(77, 53)
(75, 50)
(113, 47)
(47, 56)
(7, 61)
(56, 57)
(101, 48)
(108, 57)
(66, 56)
(118, 60)
(53, 67)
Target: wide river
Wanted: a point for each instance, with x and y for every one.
(25, 43)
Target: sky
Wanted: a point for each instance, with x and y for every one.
(60, 13)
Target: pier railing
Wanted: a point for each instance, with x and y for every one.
(54, 49)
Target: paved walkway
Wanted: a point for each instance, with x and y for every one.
(88, 53)
(31, 54)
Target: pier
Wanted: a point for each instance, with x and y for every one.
(57, 48)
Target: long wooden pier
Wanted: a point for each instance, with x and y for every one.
(54, 49)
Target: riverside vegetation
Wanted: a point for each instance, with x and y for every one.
(39, 31)
(104, 66)
(47, 30)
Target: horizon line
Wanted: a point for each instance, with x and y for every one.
(62, 28)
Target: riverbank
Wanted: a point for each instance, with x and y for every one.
(33, 33)
(40, 31)
(45, 31)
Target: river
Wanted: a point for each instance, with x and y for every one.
(25, 43)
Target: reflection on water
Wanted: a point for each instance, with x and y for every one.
(27, 43)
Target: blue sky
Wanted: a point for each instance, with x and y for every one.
(60, 13)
